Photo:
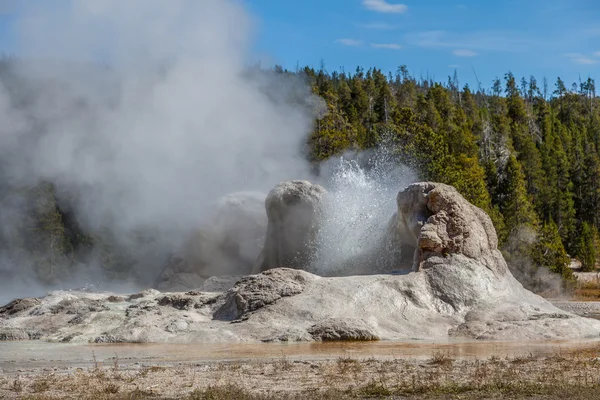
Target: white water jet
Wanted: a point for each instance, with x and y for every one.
(356, 211)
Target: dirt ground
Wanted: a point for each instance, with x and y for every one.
(326, 371)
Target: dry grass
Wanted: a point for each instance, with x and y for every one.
(441, 359)
(572, 375)
(587, 291)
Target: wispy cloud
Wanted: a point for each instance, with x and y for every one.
(597, 54)
(383, 6)
(381, 26)
(583, 59)
(511, 41)
(464, 53)
(349, 42)
(389, 46)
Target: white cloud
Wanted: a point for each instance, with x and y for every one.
(381, 26)
(389, 46)
(464, 53)
(583, 59)
(384, 7)
(349, 42)
(597, 54)
(492, 40)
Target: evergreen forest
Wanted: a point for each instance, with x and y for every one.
(525, 151)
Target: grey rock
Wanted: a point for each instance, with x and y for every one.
(188, 301)
(115, 299)
(19, 305)
(69, 338)
(142, 294)
(78, 306)
(337, 329)
(176, 326)
(13, 334)
(438, 221)
(79, 319)
(178, 301)
(292, 335)
(143, 308)
(257, 291)
(293, 221)
(110, 339)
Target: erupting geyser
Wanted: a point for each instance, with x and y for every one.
(458, 286)
(354, 217)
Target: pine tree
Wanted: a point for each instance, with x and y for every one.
(586, 247)
(522, 138)
(589, 204)
(556, 198)
(514, 201)
(333, 133)
(550, 253)
(384, 100)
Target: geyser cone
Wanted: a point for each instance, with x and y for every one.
(460, 287)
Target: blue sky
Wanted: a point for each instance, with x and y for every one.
(433, 37)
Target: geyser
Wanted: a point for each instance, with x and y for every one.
(337, 228)
(460, 286)
(355, 215)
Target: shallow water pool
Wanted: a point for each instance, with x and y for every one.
(37, 354)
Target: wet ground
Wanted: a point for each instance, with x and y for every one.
(15, 356)
(588, 309)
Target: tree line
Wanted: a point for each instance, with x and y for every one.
(525, 153)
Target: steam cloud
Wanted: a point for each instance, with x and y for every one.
(143, 112)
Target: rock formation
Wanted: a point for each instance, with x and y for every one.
(436, 220)
(293, 221)
(460, 287)
(228, 243)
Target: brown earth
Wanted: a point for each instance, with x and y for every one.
(563, 370)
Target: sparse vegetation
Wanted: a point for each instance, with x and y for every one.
(587, 291)
(570, 374)
(441, 359)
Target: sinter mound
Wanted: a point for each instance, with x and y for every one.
(456, 285)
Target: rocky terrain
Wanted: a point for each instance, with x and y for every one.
(455, 285)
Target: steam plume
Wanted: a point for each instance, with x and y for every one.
(143, 112)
